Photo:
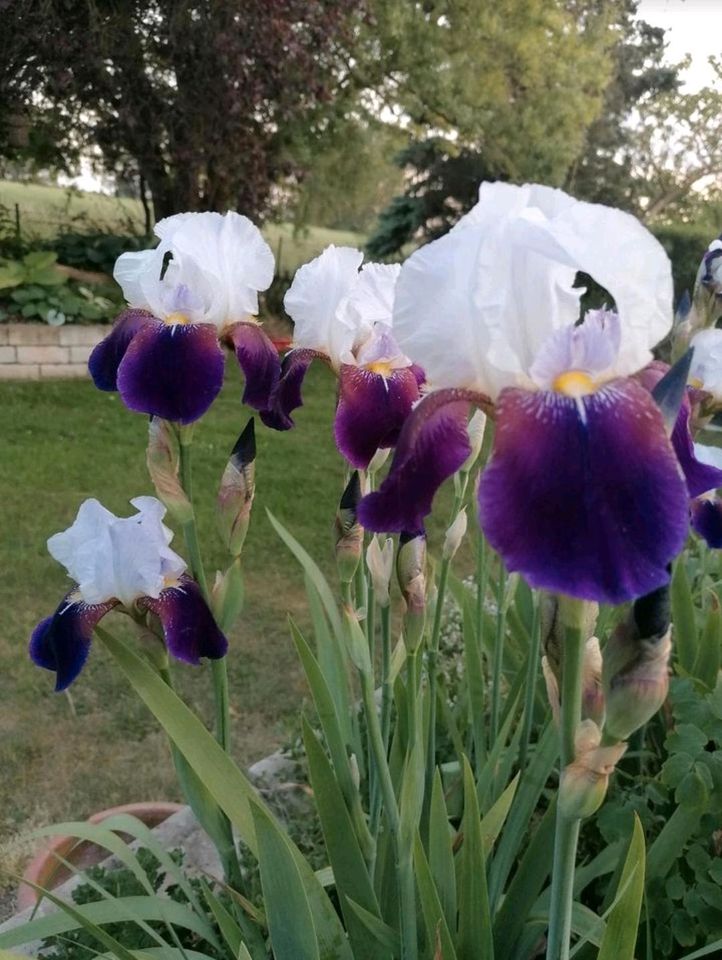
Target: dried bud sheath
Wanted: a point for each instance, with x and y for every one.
(411, 573)
(236, 492)
(163, 459)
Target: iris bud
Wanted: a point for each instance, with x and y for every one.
(553, 618)
(411, 573)
(236, 492)
(476, 429)
(380, 562)
(592, 692)
(584, 781)
(227, 595)
(635, 676)
(455, 534)
(163, 458)
(349, 532)
(378, 460)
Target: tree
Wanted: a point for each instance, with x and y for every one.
(677, 149)
(512, 89)
(603, 173)
(196, 97)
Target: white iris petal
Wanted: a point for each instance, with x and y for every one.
(707, 360)
(335, 307)
(475, 307)
(121, 558)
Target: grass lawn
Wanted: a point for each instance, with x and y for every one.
(44, 210)
(64, 757)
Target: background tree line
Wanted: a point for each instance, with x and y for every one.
(375, 115)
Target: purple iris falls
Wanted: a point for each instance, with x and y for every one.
(583, 493)
(175, 371)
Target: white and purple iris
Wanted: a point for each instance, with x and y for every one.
(342, 314)
(196, 290)
(127, 561)
(583, 493)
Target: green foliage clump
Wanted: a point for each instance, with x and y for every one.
(95, 250)
(121, 882)
(685, 244)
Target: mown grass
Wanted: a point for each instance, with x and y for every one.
(61, 442)
(45, 210)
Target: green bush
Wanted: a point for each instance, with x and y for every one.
(94, 250)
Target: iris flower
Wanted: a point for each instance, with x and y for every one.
(583, 494)
(196, 290)
(342, 315)
(123, 561)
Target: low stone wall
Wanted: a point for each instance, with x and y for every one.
(36, 351)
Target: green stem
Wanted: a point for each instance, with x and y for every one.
(402, 857)
(498, 653)
(386, 699)
(567, 829)
(190, 532)
(531, 680)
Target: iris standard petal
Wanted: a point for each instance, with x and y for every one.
(61, 642)
(287, 395)
(108, 354)
(433, 444)
(258, 359)
(371, 410)
(584, 496)
(706, 517)
(174, 372)
(188, 625)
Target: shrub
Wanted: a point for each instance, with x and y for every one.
(685, 243)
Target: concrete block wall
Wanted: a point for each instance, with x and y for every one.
(36, 351)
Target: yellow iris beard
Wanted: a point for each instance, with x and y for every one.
(574, 383)
(382, 367)
(174, 318)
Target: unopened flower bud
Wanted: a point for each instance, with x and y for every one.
(236, 492)
(636, 673)
(476, 429)
(349, 532)
(355, 772)
(584, 781)
(227, 595)
(553, 625)
(380, 562)
(552, 688)
(455, 534)
(411, 573)
(378, 460)
(636, 679)
(163, 458)
(592, 692)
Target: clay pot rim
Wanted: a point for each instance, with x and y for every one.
(60, 846)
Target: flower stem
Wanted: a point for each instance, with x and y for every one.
(402, 857)
(567, 829)
(498, 653)
(531, 680)
(190, 532)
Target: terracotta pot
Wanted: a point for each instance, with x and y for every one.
(46, 871)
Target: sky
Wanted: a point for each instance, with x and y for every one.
(694, 27)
